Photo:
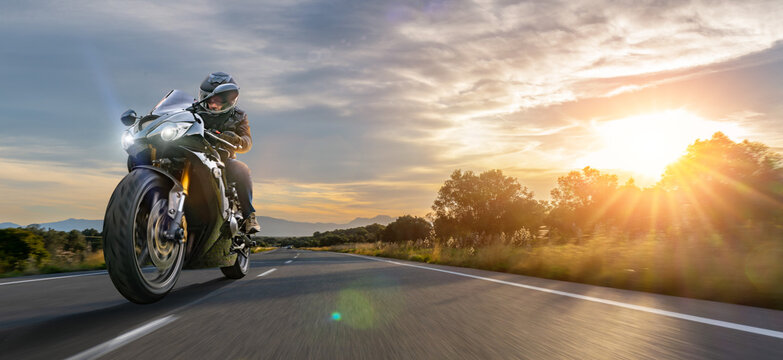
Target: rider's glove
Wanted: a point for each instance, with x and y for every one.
(231, 137)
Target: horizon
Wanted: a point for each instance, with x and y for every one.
(261, 216)
(361, 109)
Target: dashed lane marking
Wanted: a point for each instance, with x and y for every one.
(119, 341)
(267, 272)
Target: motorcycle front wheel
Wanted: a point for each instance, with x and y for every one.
(142, 264)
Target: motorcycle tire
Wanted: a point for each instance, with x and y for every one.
(240, 267)
(141, 264)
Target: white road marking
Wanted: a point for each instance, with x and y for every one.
(51, 278)
(119, 341)
(267, 272)
(699, 319)
(296, 256)
(111, 345)
(289, 261)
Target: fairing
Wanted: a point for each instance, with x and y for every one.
(206, 207)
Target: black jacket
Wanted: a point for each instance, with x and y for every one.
(235, 121)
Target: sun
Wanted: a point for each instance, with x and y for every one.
(646, 144)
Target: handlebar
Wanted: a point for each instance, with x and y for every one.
(235, 147)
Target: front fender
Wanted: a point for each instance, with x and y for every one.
(176, 194)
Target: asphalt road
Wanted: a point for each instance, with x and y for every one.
(328, 305)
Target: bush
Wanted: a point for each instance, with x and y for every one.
(17, 246)
(407, 228)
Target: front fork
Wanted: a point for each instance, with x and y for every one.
(177, 195)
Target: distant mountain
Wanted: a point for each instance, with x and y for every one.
(74, 224)
(279, 227)
(6, 225)
(358, 222)
(269, 226)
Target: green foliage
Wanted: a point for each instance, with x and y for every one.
(17, 246)
(75, 242)
(406, 228)
(54, 251)
(93, 238)
(489, 203)
(369, 233)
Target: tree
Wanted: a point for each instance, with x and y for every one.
(582, 199)
(331, 239)
(489, 203)
(75, 242)
(367, 233)
(406, 228)
(728, 182)
(17, 246)
(93, 238)
(375, 231)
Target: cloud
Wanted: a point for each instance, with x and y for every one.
(42, 191)
(359, 95)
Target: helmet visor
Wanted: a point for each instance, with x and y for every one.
(222, 102)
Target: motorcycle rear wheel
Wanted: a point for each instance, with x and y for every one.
(240, 267)
(142, 265)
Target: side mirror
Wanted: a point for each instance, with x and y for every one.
(128, 118)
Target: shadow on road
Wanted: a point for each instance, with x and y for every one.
(85, 329)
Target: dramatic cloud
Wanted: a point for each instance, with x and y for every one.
(365, 107)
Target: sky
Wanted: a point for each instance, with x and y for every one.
(360, 108)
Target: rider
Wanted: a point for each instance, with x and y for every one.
(221, 115)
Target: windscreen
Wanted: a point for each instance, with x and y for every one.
(176, 100)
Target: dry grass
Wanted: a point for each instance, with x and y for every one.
(707, 267)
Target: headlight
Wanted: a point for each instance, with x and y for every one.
(172, 131)
(127, 140)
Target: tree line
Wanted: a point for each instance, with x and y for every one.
(404, 228)
(33, 247)
(718, 187)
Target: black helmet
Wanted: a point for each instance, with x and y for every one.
(210, 83)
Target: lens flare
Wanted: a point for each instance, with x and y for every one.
(362, 311)
(336, 316)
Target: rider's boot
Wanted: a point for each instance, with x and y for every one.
(251, 224)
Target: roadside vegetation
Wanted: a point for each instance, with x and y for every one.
(712, 228)
(259, 249)
(33, 250)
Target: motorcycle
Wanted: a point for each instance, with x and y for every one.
(175, 209)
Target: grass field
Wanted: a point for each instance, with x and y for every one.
(705, 267)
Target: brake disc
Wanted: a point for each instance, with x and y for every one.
(162, 252)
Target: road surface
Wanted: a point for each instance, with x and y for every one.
(298, 304)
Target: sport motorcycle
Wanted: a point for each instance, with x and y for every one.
(175, 208)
